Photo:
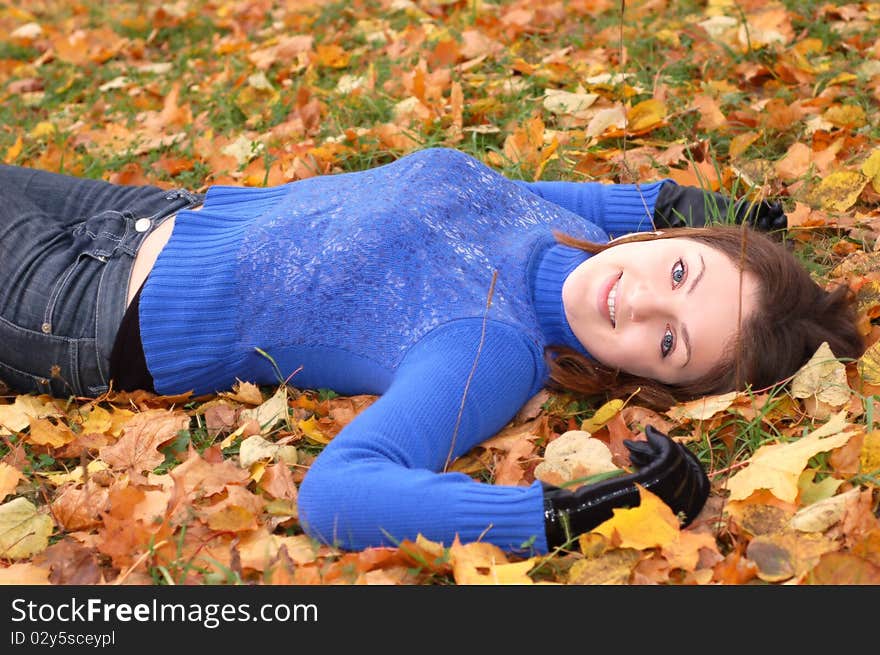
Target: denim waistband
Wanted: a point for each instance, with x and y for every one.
(60, 346)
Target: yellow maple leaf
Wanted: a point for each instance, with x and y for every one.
(777, 467)
(839, 190)
(649, 525)
(16, 417)
(45, 433)
(646, 115)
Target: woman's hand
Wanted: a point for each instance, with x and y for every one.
(666, 468)
(688, 206)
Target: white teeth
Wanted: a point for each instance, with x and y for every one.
(611, 296)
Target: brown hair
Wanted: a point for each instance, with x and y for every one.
(794, 316)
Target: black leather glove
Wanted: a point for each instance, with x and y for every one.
(689, 206)
(666, 468)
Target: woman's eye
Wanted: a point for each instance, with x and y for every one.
(667, 342)
(678, 273)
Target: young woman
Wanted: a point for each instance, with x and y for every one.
(449, 290)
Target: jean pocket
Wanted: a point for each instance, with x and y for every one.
(21, 382)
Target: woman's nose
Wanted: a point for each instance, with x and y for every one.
(645, 302)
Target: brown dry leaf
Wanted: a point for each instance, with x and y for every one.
(259, 548)
(524, 144)
(9, 479)
(783, 556)
(480, 563)
(651, 524)
(510, 469)
(137, 450)
(777, 467)
(237, 512)
(24, 573)
(78, 507)
(795, 164)
(278, 482)
(245, 392)
(197, 477)
(823, 514)
(836, 568)
(613, 567)
(122, 537)
(72, 563)
(702, 409)
(686, 551)
(711, 116)
(573, 455)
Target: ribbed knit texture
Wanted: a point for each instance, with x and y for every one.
(377, 282)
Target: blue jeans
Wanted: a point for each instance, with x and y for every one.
(67, 246)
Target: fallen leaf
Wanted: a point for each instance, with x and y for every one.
(783, 556)
(823, 514)
(24, 531)
(822, 377)
(137, 450)
(604, 414)
(574, 455)
(59, 478)
(481, 563)
(613, 567)
(9, 478)
(651, 524)
(237, 512)
(847, 569)
(839, 190)
(24, 573)
(702, 408)
(777, 467)
(17, 416)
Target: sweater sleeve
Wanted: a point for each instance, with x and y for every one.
(617, 208)
(379, 481)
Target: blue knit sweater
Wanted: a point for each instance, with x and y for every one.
(377, 282)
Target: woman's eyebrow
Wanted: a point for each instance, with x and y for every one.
(684, 331)
(699, 276)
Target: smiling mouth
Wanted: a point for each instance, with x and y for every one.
(611, 300)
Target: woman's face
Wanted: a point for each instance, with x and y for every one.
(662, 309)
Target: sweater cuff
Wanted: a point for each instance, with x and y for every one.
(630, 207)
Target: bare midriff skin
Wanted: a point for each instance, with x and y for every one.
(147, 255)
